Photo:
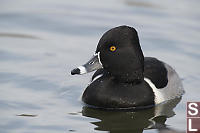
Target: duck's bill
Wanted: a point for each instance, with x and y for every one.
(93, 64)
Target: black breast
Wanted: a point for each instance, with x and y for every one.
(105, 92)
(156, 71)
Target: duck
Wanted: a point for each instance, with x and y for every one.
(123, 77)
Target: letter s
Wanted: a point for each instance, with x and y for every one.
(195, 110)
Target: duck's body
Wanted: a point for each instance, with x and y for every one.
(160, 83)
(106, 92)
(124, 78)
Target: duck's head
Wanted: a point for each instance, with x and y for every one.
(119, 53)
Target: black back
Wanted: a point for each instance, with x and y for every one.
(155, 71)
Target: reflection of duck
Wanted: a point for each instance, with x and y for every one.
(132, 121)
(124, 78)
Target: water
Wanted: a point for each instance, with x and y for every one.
(41, 41)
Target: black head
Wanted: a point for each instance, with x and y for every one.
(121, 54)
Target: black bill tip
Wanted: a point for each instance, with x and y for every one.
(75, 71)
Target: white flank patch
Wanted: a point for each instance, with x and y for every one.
(158, 95)
(82, 69)
(174, 88)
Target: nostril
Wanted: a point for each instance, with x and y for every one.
(75, 71)
(92, 62)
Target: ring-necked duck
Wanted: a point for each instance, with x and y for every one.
(124, 77)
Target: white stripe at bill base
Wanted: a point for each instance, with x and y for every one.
(82, 69)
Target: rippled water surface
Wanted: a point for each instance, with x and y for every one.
(42, 40)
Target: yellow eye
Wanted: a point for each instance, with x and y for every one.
(113, 48)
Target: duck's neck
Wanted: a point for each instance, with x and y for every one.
(133, 77)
